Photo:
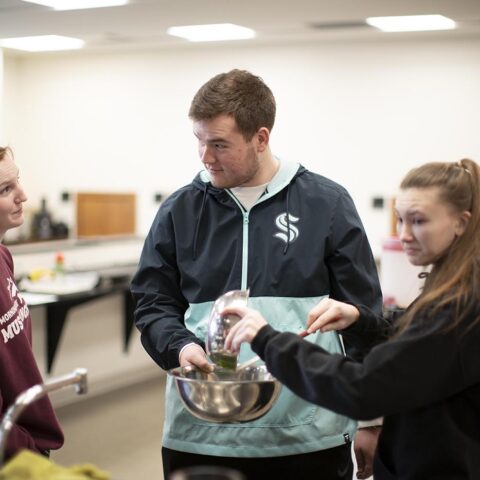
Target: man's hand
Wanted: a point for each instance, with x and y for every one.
(194, 355)
(331, 314)
(364, 446)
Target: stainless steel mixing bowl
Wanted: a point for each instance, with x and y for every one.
(226, 396)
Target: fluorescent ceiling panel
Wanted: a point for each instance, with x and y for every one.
(411, 23)
(212, 33)
(42, 43)
(78, 4)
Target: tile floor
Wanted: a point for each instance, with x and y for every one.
(119, 432)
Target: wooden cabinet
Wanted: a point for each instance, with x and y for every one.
(100, 214)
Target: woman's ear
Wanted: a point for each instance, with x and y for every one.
(462, 223)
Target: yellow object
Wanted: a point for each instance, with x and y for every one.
(27, 465)
(39, 273)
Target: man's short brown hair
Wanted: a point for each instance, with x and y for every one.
(240, 94)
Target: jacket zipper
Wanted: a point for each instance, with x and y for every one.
(245, 251)
(245, 215)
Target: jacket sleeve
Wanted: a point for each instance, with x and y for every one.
(353, 277)
(418, 368)
(160, 304)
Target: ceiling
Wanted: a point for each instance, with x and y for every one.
(143, 23)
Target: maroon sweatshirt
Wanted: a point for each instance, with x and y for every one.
(37, 428)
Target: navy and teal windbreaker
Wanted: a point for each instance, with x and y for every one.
(302, 240)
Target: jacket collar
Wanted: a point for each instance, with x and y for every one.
(286, 172)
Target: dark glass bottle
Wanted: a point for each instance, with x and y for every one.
(42, 226)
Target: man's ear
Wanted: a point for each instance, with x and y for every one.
(262, 137)
(462, 223)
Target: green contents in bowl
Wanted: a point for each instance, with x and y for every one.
(224, 360)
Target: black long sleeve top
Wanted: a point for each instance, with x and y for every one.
(425, 382)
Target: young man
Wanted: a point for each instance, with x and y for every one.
(292, 237)
(37, 429)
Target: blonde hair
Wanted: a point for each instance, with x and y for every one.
(4, 151)
(455, 278)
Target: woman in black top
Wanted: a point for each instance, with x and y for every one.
(425, 380)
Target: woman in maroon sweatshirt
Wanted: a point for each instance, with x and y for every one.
(38, 428)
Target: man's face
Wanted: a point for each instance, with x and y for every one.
(230, 160)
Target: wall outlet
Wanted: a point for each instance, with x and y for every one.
(378, 202)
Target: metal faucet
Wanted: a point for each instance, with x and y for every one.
(78, 378)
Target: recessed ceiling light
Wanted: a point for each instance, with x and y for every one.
(42, 43)
(412, 23)
(212, 33)
(78, 4)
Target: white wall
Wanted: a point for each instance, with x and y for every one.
(10, 102)
(361, 113)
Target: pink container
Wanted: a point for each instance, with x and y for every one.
(398, 277)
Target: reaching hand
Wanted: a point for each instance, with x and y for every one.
(246, 329)
(194, 355)
(330, 315)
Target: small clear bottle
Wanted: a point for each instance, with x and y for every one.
(59, 264)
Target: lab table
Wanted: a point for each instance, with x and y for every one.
(111, 282)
